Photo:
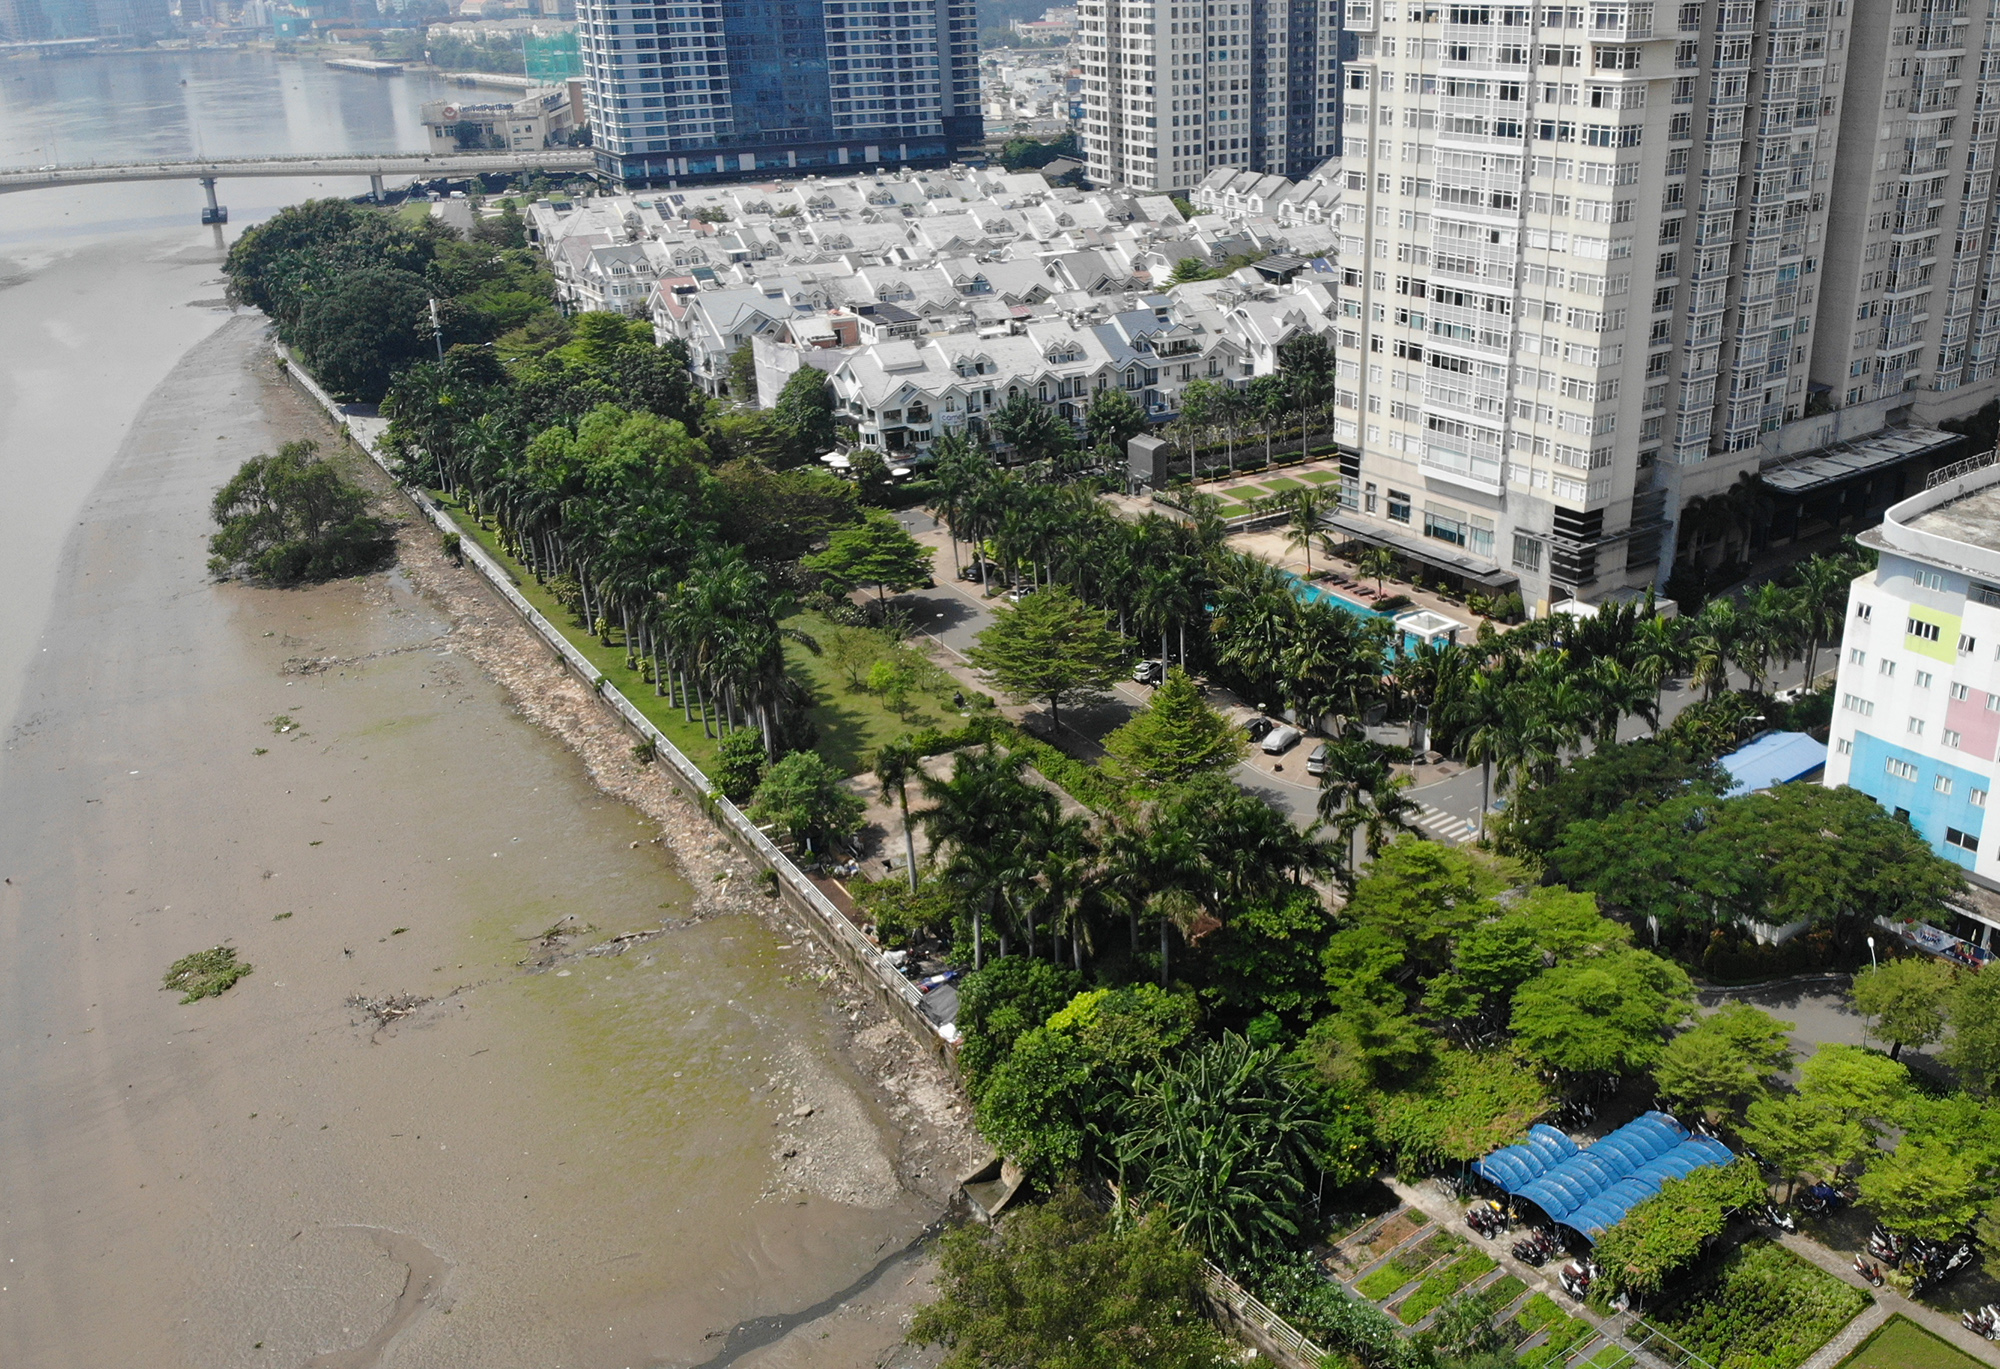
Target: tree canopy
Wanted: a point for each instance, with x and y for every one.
(1176, 737)
(1605, 1013)
(1725, 1061)
(1058, 1285)
(803, 795)
(291, 518)
(1051, 647)
(879, 552)
(1907, 1000)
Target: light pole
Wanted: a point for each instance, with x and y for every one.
(1866, 1019)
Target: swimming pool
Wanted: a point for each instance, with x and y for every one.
(1312, 591)
(1437, 624)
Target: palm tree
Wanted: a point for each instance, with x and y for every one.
(1378, 564)
(1305, 508)
(1658, 655)
(1714, 640)
(894, 764)
(1481, 712)
(1823, 584)
(1362, 797)
(973, 819)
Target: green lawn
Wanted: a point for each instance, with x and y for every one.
(852, 724)
(1902, 1344)
(1283, 482)
(1320, 477)
(1233, 510)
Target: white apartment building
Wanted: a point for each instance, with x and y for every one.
(1598, 257)
(1916, 719)
(1172, 90)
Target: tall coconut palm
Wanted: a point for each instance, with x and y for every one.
(1305, 509)
(895, 763)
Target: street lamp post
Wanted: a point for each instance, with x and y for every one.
(1867, 1020)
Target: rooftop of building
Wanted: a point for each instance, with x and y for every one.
(1954, 522)
(1973, 519)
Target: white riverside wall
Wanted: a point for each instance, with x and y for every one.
(866, 961)
(1232, 1306)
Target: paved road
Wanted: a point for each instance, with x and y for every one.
(1448, 807)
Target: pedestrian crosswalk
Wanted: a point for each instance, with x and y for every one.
(1445, 826)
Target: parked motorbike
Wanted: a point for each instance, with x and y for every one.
(1780, 1218)
(1538, 1248)
(1576, 1278)
(1983, 1322)
(1486, 1218)
(1868, 1271)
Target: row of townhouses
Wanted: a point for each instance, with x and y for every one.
(930, 297)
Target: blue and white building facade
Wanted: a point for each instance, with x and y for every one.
(1916, 719)
(700, 93)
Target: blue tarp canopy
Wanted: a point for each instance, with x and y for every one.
(1774, 758)
(1592, 1190)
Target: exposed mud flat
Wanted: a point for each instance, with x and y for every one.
(516, 1075)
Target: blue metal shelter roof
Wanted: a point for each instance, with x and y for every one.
(1774, 758)
(1590, 1190)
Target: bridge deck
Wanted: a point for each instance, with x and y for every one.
(374, 164)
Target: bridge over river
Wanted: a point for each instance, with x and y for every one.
(375, 166)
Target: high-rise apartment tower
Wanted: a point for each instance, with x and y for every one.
(1598, 257)
(1172, 91)
(727, 91)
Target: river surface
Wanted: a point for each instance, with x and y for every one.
(572, 1166)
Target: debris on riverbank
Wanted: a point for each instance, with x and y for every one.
(911, 1089)
(204, 974)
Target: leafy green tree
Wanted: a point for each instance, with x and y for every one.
(291, 518)
(739, 765)
(1608, 1013)
(1029, 154)
(1928, 1186)
(804, 414)
(1174, 738)
(1907, 999)
(363, 328)
(1003, 1002)
(1724, 1061)
(1420, 895)
(1052, 647)
(1592, 787)
(1060, 1285)
(1545, 926)
(1225, 1139)
(803, 795)
(1667, 1232)
(1035, 431)
(1860, 1083)
(1113, 417)
(1974, 1047)
(1463, 1105)
(1369, 1042)
(880, 552)
(1054, 1100)
(1800, 1135)
(742, 373)
(1266, 958)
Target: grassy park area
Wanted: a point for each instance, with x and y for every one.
(1901, 1344)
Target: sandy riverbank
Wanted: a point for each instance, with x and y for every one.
(579, 1160)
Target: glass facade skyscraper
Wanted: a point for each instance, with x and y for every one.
(709, 92)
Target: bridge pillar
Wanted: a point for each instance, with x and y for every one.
(375, 186)
(215, 213)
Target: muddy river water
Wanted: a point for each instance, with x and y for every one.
(663, 1157)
